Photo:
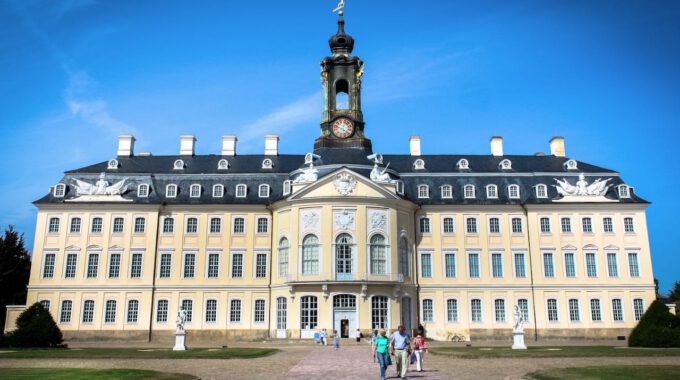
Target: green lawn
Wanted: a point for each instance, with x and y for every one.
(135, 353)
(88, 374)
(609, 372)
(551, 352)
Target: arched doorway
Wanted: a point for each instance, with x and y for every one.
(345, 315)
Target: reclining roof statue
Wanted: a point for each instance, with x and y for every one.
(599, 187)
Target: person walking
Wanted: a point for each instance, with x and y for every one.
(379, 350)
(372, 343)
(400, 344)
(419, 349)
(336, 339)
(359, 336)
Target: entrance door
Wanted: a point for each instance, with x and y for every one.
(281, 317)
(343, 258)
(345, 315)
(344, 328)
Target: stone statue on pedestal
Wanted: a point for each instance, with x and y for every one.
(180, 332)
(518, 329)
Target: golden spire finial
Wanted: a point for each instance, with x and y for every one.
(341, 5)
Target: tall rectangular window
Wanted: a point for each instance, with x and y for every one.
(309, 312)
(48, 265)
(476, 310)
(497, 265)
(211, 311)
(97, 224)
(53, 226)
(235, 311)
(516, 225)
(261, 265)
(450, 264)
(192, 225)
(473, 265)
(132, 311)
(162, 311)
(65, 313)
(284, 250)
(595, 310)
(587, 224)
(88, 311)
(449, 226)
(591, 264)
(92, 265)
(114, 265)
(452, 310)
(633, 264)
(259, 311)
(471, 225)
(545, 225)
(428, 310)
(424, 225)
(638, 308)
(237, 265)
(118, 224)
(136, 265)
(548, 265)
(70, 269)
(574, 311)
(110, 312)
(628, 225)
(612, 265)
(188, 306)
(566, 225)
(262, 225)
(520, 265)
(426, 264)
(569, 264)
(608, 225)
(140, 225)
(189, 265)
(499, 310)
(168, 225)
(213, 265)
(239, 225)
(553, 315)
(75, 226)
(215, 225)
(617, 310)
(379, 312)
(494, 226)
(523, 305)
(165, 266)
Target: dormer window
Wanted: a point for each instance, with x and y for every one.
(178, 165)
(309, 158)
(143, 190)
(222, 164)
(570, 165)
(513, 191)
(195, 191)
(469, 191)
(463, 164)
(171, 191)
(624, 191)
(267, 163)
(286, 187)
(447, 191)
(113, 164)
(263, 191)
(423, 191)
(492, 191)
(400, 187)
(541, 191)
(505, 164)
(241, 191)
(59, 190)
(218, 191)
(419, 164)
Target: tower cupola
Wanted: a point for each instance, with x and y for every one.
(341, 42)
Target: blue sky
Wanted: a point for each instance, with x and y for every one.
(74, 74)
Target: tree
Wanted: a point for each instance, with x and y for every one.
(15, 268)
(657, 328)
(656, 288)
(35, 328)
(674, 294)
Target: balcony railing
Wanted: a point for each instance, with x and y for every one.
(345, 277)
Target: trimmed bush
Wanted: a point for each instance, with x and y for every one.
(35, 328)
(657, 328)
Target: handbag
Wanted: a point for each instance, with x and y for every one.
(413, 358)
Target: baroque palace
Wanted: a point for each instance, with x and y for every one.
(341, 238)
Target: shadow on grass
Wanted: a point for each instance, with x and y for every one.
(134, 353)
(89, 374)
(552, 352)
(631, 372)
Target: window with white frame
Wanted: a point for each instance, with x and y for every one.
(570, 264)
(566, 225)
(241, 191)
(612, 264)
(608, 225)
(476, 310)
(471, 225)
(46, 304)
(195, 191)
(112, 164)
(591, 264)
(188, 306)
(505, 164)
(517, 226)
(59, 190)
(259, 311)
(97, 225)
(92, 265)
(143, 190)
(638, 308)
(541, 191)
(491, 192)
(310, 255)
(218, 191)
(633, 264)
(379, 312)
(168, 225)
(211, 310)
(48, 264)
(595, 310)
(448, 225)
(53, 226)
(452, 310)
(309, 312)
(178, 165)
(171, 191)
(378, 255)
(628, 225)
(450, 264)
(162, 311)
(473, 264)
(88, 311)
(548, 265)
(624, 191)
(235, 311)
(419, 164)
(513, 191)
(403, 259)
(469, 191)
(571, 165)
(267, 163)
(192, 225)
(237, 265)
(284, 256)
(399, 184)
(617, 310)
(574, 310)
(75, 225)
(110, 311)
(213, 265)
(428, 310)
(426, 265)
(215, 225)
(587, 224)
(423, 191)
(118, 225)
(262, 225)
(499, 310)
(263, 191)
(165, 267)
(70, 267)
(447, 191)
(520, 265)
(222, 164)
(136, 265)
(463, 164)
(497, 265)
(261, 265)
(553, 314)
(140, 225)
(424, 225)
(286, 187)
(494, 225)
(65, 313)
(132, 311)
(189, 268)
(523, 304)
(239, 226)
(545, 225)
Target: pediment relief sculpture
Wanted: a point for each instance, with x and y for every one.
(100, 191)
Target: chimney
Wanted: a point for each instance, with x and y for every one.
(229, 145)
(126, 145)
(187, 145)
(557, 146)
(271, 145)
(496, 146)
(414, 145)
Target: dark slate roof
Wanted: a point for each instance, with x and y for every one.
(527, 171)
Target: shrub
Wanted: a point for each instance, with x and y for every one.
(657, 328)
(35, 328)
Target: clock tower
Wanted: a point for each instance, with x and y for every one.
(342, 122)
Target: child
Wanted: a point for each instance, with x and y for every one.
(336, 339)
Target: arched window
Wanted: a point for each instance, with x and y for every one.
(195, 191)
(113, 164)
(505, 164)
(218, 191)
(541, 191)
(132, 311)
(624, 191)
(513, 191)
(310, 255)
(267, 163)
(241, 191)
(469, 191)
(286, 187)
(284, 254)
(404, 257)
(178, 165)
(463, 164)
(222, 164)
(341, 95)
(143, 190)
(171, 191)
(378, 252)
(343, 256)
(60, 190)
(419, 164)
(263, 191)
(492, 191)
(447, 191)
(571, 165)
(423, 191)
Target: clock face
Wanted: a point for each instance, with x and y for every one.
(343, 128)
